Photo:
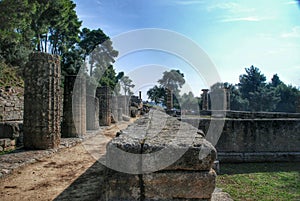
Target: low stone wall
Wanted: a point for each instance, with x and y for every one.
(255, 137)
(11, 104)
(157, 159)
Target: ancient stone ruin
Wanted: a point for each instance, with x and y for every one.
(42, 102)
(167, 160)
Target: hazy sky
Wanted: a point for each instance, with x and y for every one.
(234, 34)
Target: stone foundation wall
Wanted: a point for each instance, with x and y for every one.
(255, 137)
(11, 104)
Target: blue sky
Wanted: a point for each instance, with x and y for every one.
(234, 34)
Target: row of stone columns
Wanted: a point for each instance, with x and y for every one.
(220, 99)
(42, 104)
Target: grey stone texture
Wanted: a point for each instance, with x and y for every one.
(92, 113)
(123, 102)
(114, 108)
(255, 137)
(11, 104)
(104, 95)
(120, 114)
(179, 185)
(204, 99)
(42, 102)
(74, 106)
(172, 161)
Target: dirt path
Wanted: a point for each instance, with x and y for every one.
(55, 177)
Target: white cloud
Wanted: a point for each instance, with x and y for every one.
(189, 2)
(239, 19)
(295, 33)
(231, 7)
(291, 2)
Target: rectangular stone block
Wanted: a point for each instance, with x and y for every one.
(169, 185)
(121, 186)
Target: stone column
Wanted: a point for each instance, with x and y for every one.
(169, 99)
(227, 92)
(114, 107)
(104, 95)
(42, 101)
(92, 113)
(74, 111)
(140, 95)
(218, 100)
(120, 114)
(205, 99)
(123, 103)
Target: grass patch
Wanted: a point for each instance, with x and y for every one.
(261, 181)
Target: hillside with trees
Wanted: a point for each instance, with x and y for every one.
(53, 27)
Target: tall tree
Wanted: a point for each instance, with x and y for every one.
(251, 81)
(189, 102)
(288, 98)
(251, 85)
(36, 25)
(127, 85)
(157, 94)
(264, 99)
(172, 80)
(275, 81)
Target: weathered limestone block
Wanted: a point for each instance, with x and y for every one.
(124, 152)
(172, 161)
(42, 101)
(121, 186)
(179, 185)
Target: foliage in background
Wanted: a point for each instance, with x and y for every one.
(172, 80)
(9, 76)
(54, 27)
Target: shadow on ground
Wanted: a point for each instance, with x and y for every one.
(88, 187)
